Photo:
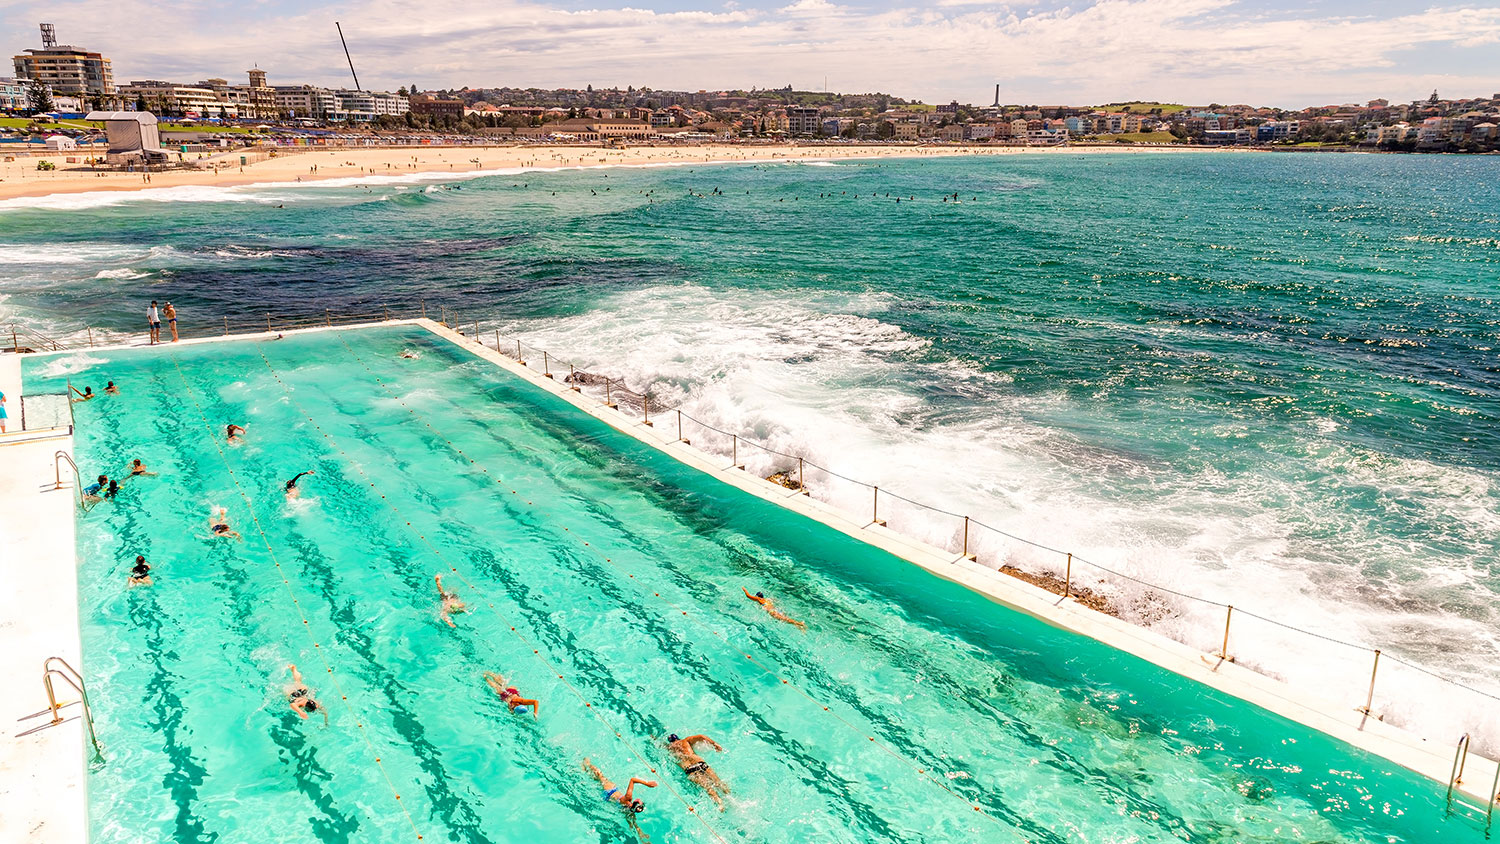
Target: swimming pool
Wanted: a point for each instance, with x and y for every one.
(604, 579)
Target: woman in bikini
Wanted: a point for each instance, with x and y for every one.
(612, 793)
(452, 604)
(510, 696)
(300, 699)
(220, 524)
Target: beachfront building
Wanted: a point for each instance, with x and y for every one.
(803, 121)
(364, 106)
(67, 70)
(306, 101)
(14, 95)
(176, 99)
(436, 106)
(256, 101)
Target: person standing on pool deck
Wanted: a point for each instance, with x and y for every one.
(761, 599)
(612, 793)
(300, 698)
(153, 319)
(510, 695)
(696, 767)
(452, 604)
(291, 485)
(171, 314)
(2, 411)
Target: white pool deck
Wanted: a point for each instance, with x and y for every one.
(42, 798)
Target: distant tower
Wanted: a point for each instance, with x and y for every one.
(997, 96)
(49, 36)
(257, 77)
(1434, 98)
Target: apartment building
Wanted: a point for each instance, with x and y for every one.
(66, 70)
(172, 98)
(803, 121)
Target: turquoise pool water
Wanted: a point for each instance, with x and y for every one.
(620, 571)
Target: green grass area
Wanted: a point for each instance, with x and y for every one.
(49, 126)
(1136, 138)
(1144, 108)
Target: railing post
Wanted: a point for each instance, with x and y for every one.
(268, 323)
(646, 410)
(90, 330)
(801, 478)
(608, 402)
(15, 345)
(1224, 648)
(424, 308)
(734, 453)
(51, 698)
(966, 538)
(1370, 698)
(327, 318)
(679, 426)
(385, 313)
(497, 341)
(546, 365)
(226, 326)
(875, 510)
(573, 378)
(1068, 578)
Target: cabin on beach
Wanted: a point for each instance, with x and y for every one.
(133, 137)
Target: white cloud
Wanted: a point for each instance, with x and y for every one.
(1182, 50)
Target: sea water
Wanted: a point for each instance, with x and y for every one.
(605, 580)
(1266, 379)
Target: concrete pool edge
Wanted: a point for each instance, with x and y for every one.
(1399, 747)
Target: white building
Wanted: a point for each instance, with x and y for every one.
(172, 98)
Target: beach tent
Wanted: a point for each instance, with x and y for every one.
(133, 136)
(61, 143)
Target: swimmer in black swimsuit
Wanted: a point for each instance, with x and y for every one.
(300, 698)
(140, 573)
(291, 485)
(696, 767)
(220, 525)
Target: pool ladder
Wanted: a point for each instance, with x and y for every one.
(1466, 809)
(57, 667)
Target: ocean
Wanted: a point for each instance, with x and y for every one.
(1269, 380)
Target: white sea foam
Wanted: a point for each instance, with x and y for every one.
(121, 274)
(68, 364)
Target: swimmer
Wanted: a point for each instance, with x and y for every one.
(111, 389)
(510, 696)
(761, 599)
(696, 767)
(113, 490)
(300, 698)
(86, 395)
(220, 524)
(291, 485)
(95, 489)
(408, 354)
(140, 573)
(612, 793)
(232, 433)
(452, 604)
(138, 469)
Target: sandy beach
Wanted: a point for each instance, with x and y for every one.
(20, 178)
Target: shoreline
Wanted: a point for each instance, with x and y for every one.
(294, 167)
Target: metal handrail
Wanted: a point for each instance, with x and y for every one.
(72, 677)
(1456, 773)
(57, 460)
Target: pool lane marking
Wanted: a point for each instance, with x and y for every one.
(536, 651)
(317, 647)
(541, 513)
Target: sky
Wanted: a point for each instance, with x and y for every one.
(1085, 52)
